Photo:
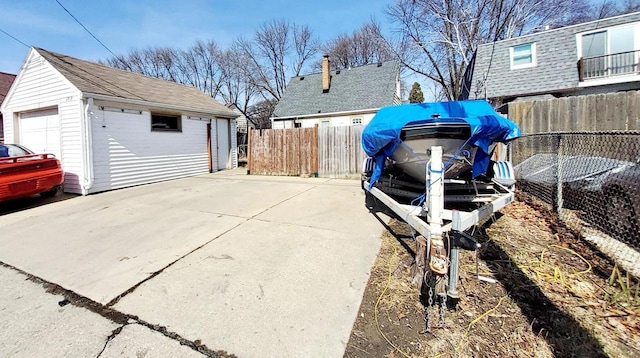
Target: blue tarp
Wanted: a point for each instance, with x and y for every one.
(381, 136)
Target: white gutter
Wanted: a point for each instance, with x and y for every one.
(327, 114)
(229, 114)
(87, 149)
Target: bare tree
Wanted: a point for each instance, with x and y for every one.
(155, 62)
(202, 67)
(261, 112)
(249, 69)
(198, 66)
(364, 46)
(437, 39)
(268, 54)
(236, 87)
(305, 45)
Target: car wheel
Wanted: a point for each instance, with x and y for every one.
(51, 193)
(622, 217)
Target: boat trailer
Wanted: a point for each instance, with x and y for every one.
(474, 202)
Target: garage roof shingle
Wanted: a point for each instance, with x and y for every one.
(94, 78)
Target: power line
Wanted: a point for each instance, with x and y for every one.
(8, 34)
(87, 30)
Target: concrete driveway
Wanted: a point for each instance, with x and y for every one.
(250, 265)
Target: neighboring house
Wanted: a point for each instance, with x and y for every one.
(6, 79)
(336, 98)
(113, 129)
(242, 124)
(595, 57)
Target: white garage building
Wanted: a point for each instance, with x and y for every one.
(113, 129)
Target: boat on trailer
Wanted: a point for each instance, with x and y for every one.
(430, 163)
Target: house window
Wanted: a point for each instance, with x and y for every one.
(297, 125)
(356, 121)
(607, 53)
(166, 123)
(523, 56)
(325, 124)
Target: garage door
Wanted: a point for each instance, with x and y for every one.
(40, 131)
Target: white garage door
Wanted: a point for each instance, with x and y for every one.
(40, 131)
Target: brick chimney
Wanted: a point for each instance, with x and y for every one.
(326, 74)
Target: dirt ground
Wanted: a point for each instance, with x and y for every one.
(553, 296)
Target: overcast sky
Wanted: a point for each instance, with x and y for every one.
(123, 25)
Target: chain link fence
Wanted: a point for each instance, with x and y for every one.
(592, 180)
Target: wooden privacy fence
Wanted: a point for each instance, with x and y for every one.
(340, 152)
(290, 152)
(331, 152)
(602, 112)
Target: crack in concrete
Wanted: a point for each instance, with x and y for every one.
(116, 299)
(283, 201)
(123, 319)
(111, 336)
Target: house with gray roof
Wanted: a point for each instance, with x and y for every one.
(112, 128)
(589, 58)
(337, 98)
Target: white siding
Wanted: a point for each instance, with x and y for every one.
(242, 123)
(126, 152)
(335, 121)
(340, 121)
(39, 86)
(71, 113)
(366, 118)
(309, 123)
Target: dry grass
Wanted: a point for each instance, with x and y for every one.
(554, 297)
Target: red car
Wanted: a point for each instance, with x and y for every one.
(24, 173)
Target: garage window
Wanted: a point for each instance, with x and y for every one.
(166, 123)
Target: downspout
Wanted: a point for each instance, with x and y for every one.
(88, 147)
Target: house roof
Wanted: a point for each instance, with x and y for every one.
(358, 88)
(94, 78)
(6, 79)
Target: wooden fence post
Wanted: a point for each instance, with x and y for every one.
(248, 150)
(315, 152)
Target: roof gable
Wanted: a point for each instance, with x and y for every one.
(94, 78)
(358, 88)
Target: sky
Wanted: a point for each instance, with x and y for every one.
(123, 25)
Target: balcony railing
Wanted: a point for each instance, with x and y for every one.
(617, 64)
